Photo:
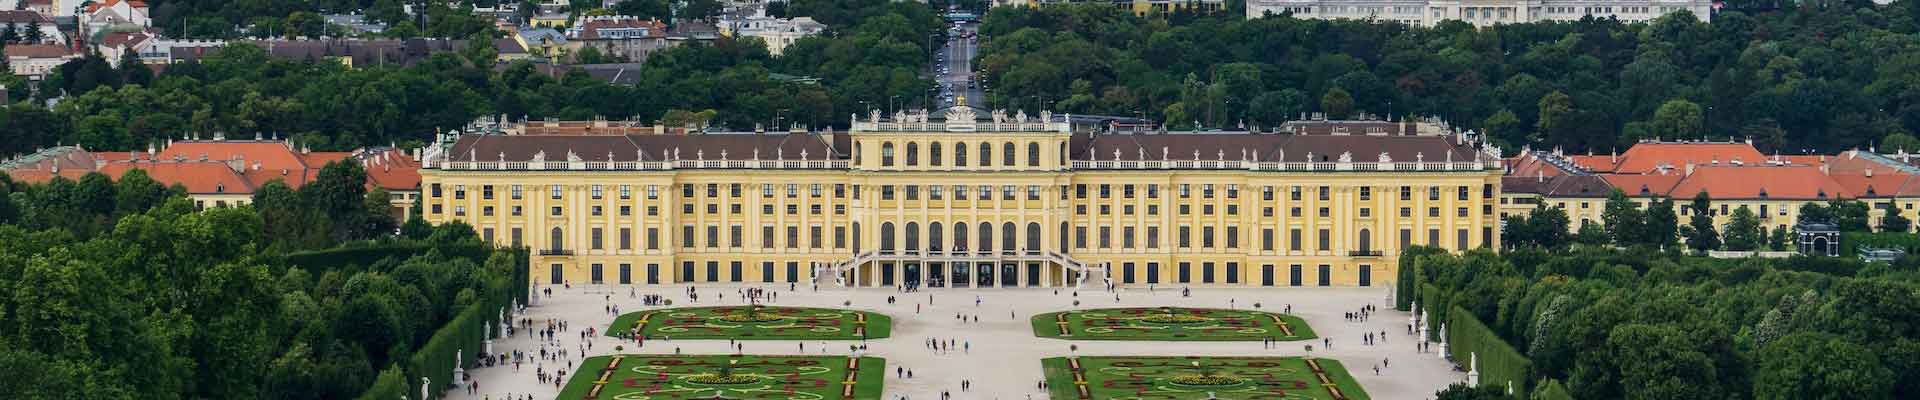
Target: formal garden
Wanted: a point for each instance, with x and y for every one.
(664, 377)
(1198, 378)
(755, 322)
(1171, 323)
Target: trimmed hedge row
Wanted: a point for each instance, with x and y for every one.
(354, 257)
(1500, 364)
(1431, 300)
(1552, 390)
(1851, 242)
(392, 384)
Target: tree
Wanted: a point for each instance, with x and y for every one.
(1815, 365)
(1549, 226)
(1700, 232)
(1555, 110)
(133, 71)
(589, 55)
(1592, 235)
(1506, 128)
(1898, 142)
(643, 8)
(1336, 103)
(1815, 213)
(1275, 107)
(1662, 224)
(1894, 222)
(136, 192)
(1460, 391)
(33, 34)
(1680, 118)
(338, 193)
(1743, 231)
(700, 9)
(1625, 223)
(1851, 216)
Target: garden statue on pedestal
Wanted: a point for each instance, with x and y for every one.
(1473, 369)
(458, 371)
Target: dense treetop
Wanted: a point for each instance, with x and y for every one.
(1823, 76)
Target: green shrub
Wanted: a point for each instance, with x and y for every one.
(1500, 364)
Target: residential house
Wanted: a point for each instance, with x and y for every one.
(23, 20)
(224, 173)
(106, 14)
(778, 33)
(542, 42)
(620, 37)
(35, 61)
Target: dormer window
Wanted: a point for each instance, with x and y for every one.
(1822, 194)
(219, 188)
(1644, 190)
(1763, 193)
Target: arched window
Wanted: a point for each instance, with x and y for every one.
(1033, 154)
(1366, 240)
(886, 154)
(960, 154)
(1007, 158)
(1063, 237)
(886, 237)
(959, 236)
(913, 236)
(1008, 238)
(986, 236)
(1063, 154)
(913, 154)
(986, 155)
(558, 242)
(933, 235)
(1033, 236)
(933, 154)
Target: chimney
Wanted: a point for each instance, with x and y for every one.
(1869, 172)
(1689, 169)
(1824, 170)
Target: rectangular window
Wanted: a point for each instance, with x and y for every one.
(1293, 240)
(653, 238)
(1326, 240)
(626, 238)
(1233, 237)
(686, 236)
(1153, 237)
(766, 237)
(596, 239)
(793, 237)
(1266, 239)
(1106, 237)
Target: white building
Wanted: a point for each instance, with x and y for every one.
(777, 32)
(117, 13)
(22, 20)
(1478, 12)
(35, 61)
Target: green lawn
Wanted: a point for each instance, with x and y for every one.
(1238, 378)
(664, 377)
(1170, 323)
(768, 323)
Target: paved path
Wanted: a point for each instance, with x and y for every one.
(1004, 362)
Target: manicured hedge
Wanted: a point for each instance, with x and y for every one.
(1499, 362)
(1552, 390)
(1431, 301)
(360, 255)
(390, 385)
(1851, 242)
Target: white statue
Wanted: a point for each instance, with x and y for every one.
(1384, 158)
(1346, 156)
(539, 156)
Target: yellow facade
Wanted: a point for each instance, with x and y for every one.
(986, 204)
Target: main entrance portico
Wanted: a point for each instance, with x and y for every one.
(957, 269)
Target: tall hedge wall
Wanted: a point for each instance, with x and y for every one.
(1499, 362)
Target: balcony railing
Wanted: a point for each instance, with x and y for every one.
(1366, 253)
(556, 252)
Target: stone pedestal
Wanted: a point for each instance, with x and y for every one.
(458, 373)
(488, 349)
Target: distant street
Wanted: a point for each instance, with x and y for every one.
(956, 57)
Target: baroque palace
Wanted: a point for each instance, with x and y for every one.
(959, 201)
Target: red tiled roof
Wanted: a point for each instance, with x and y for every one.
(1796, 182)
(38, 51)
(1595, 163)
(110, 3)
(22, 17)
(1645, 157)
(198, 177)
(1644, 185)
(392, 170)
(117, 39)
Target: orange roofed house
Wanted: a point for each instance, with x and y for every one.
(1732, 174)
(223, 173)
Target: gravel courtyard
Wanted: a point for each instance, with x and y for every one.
(1000, 353)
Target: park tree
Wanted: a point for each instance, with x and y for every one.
(1662, 224)
(1337, 103)
(1815, 365)
(1680, 118)
(1812, 212)
(1851, 216)
(1894, 222)
(1700, 232)
(1625, 222)
(1743, 231)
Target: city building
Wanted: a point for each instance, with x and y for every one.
(116, 15)
(542, 42)
(23, 20)
(1138, 7)
(225, 173)
(1483, 13)
(35, 61)
(1732, 174)
(778, 33)
(620, 37)
(962, 201)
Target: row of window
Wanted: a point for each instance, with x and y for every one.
(935, 154)
(625, 192)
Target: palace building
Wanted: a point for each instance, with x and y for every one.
(953, 200)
